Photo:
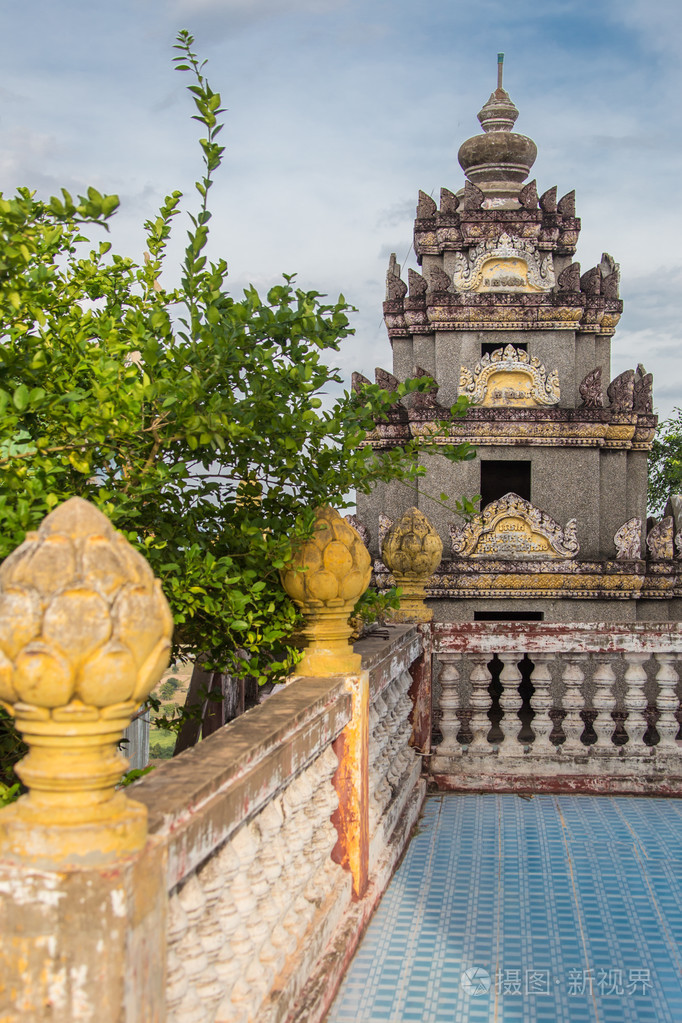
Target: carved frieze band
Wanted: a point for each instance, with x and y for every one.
(510, 377)
(514, 529)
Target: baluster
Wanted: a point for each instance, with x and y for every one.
(408, 756)
(480, 703)
(573, 702)
(248, 889)
(379, 789)
(510, 704)
(210, 931)
(604, 702)
(182, 1000)
(272, 855)
(392, 698)
(326, 802)
(635, 703)
(229, 966)
(541, 704)
(667, 702)
(296, 797)
(190, 949)
(450, 703)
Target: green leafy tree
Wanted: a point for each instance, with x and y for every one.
(665, 463)
(193, 419)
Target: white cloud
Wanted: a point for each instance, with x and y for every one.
(339, 111)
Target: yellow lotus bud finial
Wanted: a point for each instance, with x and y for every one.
(412, 551)
(326, 577)
(85, 634)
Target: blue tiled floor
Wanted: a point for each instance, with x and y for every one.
(511, 910)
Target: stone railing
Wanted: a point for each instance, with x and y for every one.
(254, 895)
(394, 762)
(234, 885)
(550, 707)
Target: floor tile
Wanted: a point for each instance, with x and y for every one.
(558, 908)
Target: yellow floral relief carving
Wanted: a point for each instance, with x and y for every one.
(510, 377)
(514, 529)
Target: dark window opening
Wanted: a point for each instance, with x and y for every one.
(509, 616)
(500, 478)
(488, 347)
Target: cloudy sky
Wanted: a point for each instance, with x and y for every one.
(340, 110)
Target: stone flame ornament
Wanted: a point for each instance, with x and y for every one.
(659, 540)
(85, 634)
(412, 550)
(628, 540)
(511, 378)
(326, 577)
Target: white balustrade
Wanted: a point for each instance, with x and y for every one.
(391, 757)
(234, 921)
(584, 670)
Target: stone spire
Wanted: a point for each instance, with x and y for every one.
(499, 160)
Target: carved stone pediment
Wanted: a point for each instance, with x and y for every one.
(503, 265)
(513, 529)
(510, 377)
(359, 528)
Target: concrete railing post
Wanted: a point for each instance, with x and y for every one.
(84, 636)
(326, 578)
(412, 551)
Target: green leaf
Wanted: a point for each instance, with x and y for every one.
(80, 462)
(21, 397)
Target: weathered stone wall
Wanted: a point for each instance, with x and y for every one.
(255, 838)
(244, 904)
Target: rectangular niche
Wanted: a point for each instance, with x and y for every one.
(500, 478)
(488, 347)
(509, 616)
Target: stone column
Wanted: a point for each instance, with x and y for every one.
(84, 637)
(420, 694)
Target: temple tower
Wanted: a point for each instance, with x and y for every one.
(502, 314)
